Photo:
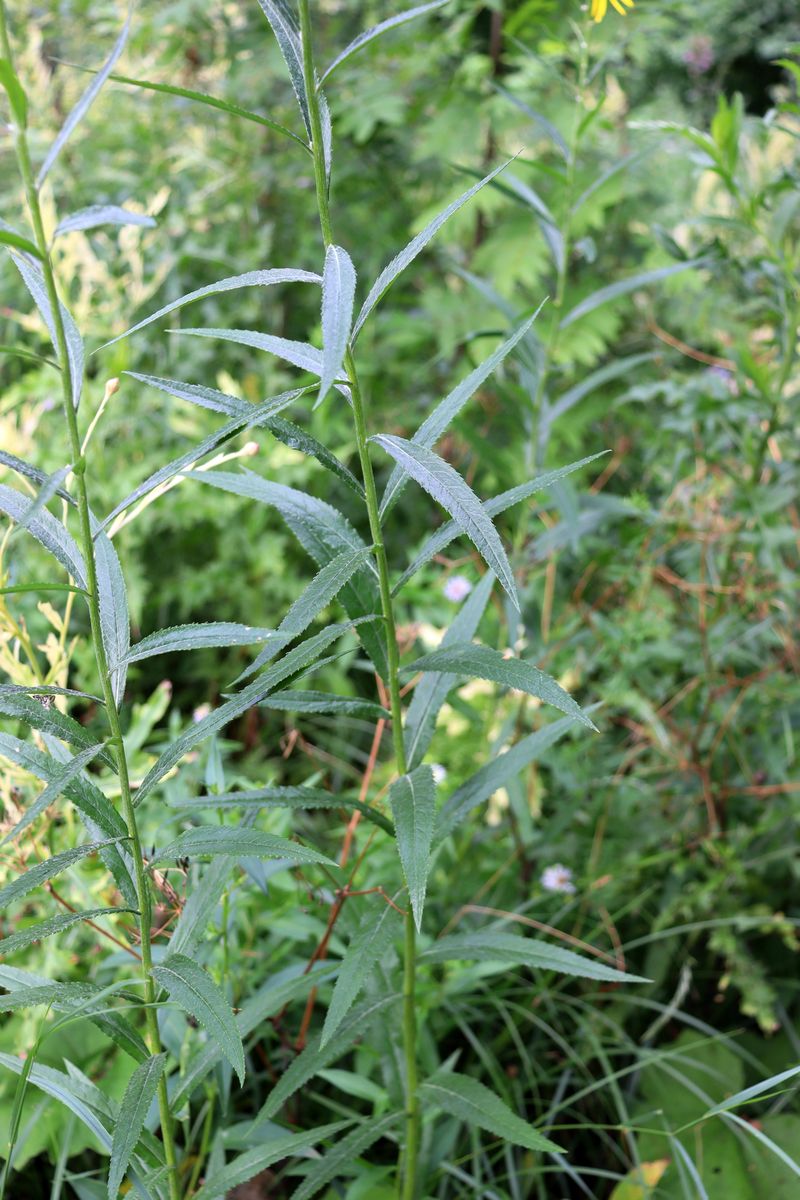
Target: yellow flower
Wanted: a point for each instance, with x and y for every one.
(600, 7)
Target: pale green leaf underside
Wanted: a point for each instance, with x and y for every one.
(200, 636)
(338, 294)
(472, 1102)
(133, 1112)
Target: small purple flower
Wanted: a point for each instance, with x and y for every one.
(699, 54)
(457, 588)
(558, 878)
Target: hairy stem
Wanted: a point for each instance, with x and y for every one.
(408, 1174)
(86, 542)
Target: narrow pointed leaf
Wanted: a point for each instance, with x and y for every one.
(34, 281)
(445, 485)
(413, 801)
(28, 471)
(276, 1146)
(102, 214)
(248, 279)
(751, 1093)
(316, 1057)
(201, 636)
(435, 425)
(498, 504)
(34, 877)
(49, 532)
(44, 689)
(367, 949)
(370, 34)
(344, 1153)
(59, 784)
(494, 946)
(133, 1110)
(327, 703)
(287, 34)
(84, 104)
(19, 707)
(57, 995)
(482, 662)
(299, 354)
(9, 238)
(210, 841)
(50, 488)
(284, 797)
(195, 991)
(60, 1087)
(567, 400)
(15, 92)
(431, 691)
(115, 622)
(298, 660)
(298, 439)
(414, 247)
(338, 294)
(52, 925)
(623, 286)
(472, 1102)
(205, 397)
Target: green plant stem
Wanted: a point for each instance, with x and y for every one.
(407, 1175)
(93, 602)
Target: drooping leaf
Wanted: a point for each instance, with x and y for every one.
(328, 703)
(314, 598)
(195, 991)
(294, 663)
(34, 281)
(338, 294)
(370, 34)
(413, 801)
(59, 783)
(49, 532)
(316, 1057)
(414, 247)
(133, 1110)
(431, 691)
(9, 238)
(59, 1085)
(495, 946)
(45, 689)
(84, 104)
(471, 1101)
(344, 1153)
(287, 34)
(47, 928)
(115, 622)
(201, 636)
(284, 797)
(367, 949)
(15, 92)
(435, 425)
(34, 877)
(102, 214)
(444, 483)
(498, 504)
(29, 471)
(232, 283)
(195, 393)
(210, 841)
(20, 707)
(771, 1085)
(482, 662)
(298, 439)
(623, 286)
(275, 1147)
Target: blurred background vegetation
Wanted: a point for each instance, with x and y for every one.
(661, 581)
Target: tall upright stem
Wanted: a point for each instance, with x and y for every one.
(407, 1189)
(86, 541)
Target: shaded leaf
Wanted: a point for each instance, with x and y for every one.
(214, 840)
(365, 952)
(287, 34)
(50, 488)
(370, 34)
(62, 1088)
(49, 720)
(284, 797)
(343, 1154)
(102, 214)
(28, 471)
(472, 1102)
(31, 879)
(495, 946)
(59, 783)
(133, 1111)
(298, 439)
(195, 393)
(413, 801)
(195, 991)
(623, 286)
(49, 532)
(327, 703)
(338, 294)
(47, 928)
(275, 1147)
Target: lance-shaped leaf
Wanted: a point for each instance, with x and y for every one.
(8, 237)
(324, 533)
(413, 801)
(201, 636)
(276, 1146)
(49, 532)
(28, 471)
(50, 488)
(33, 878)
(60, 781)
(338, 293)
(314, 598)
(211, 841)
(15, 92)
(294, 663)
(233, 282)
(283, 797)
(344, 1153)
(623, 286)
(287, 34)
(316, 1057)
(115, 621)
(299, 354)
(367, 949)
(568, 399)
(444, 483)
(430, 692)
(327, 703)
(62, 1088)
(472, 1102)
(299, 439)
(52, 925)
(97, 215)
(84, 104)
(482, 662)
(414, 247)
(195, 393)
(44, 689)
(195, 991)
(34, 281)
(494, 946)
(370, 34)
(133, 1110)
(435, 425)
(48, 720)
(498, 504)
